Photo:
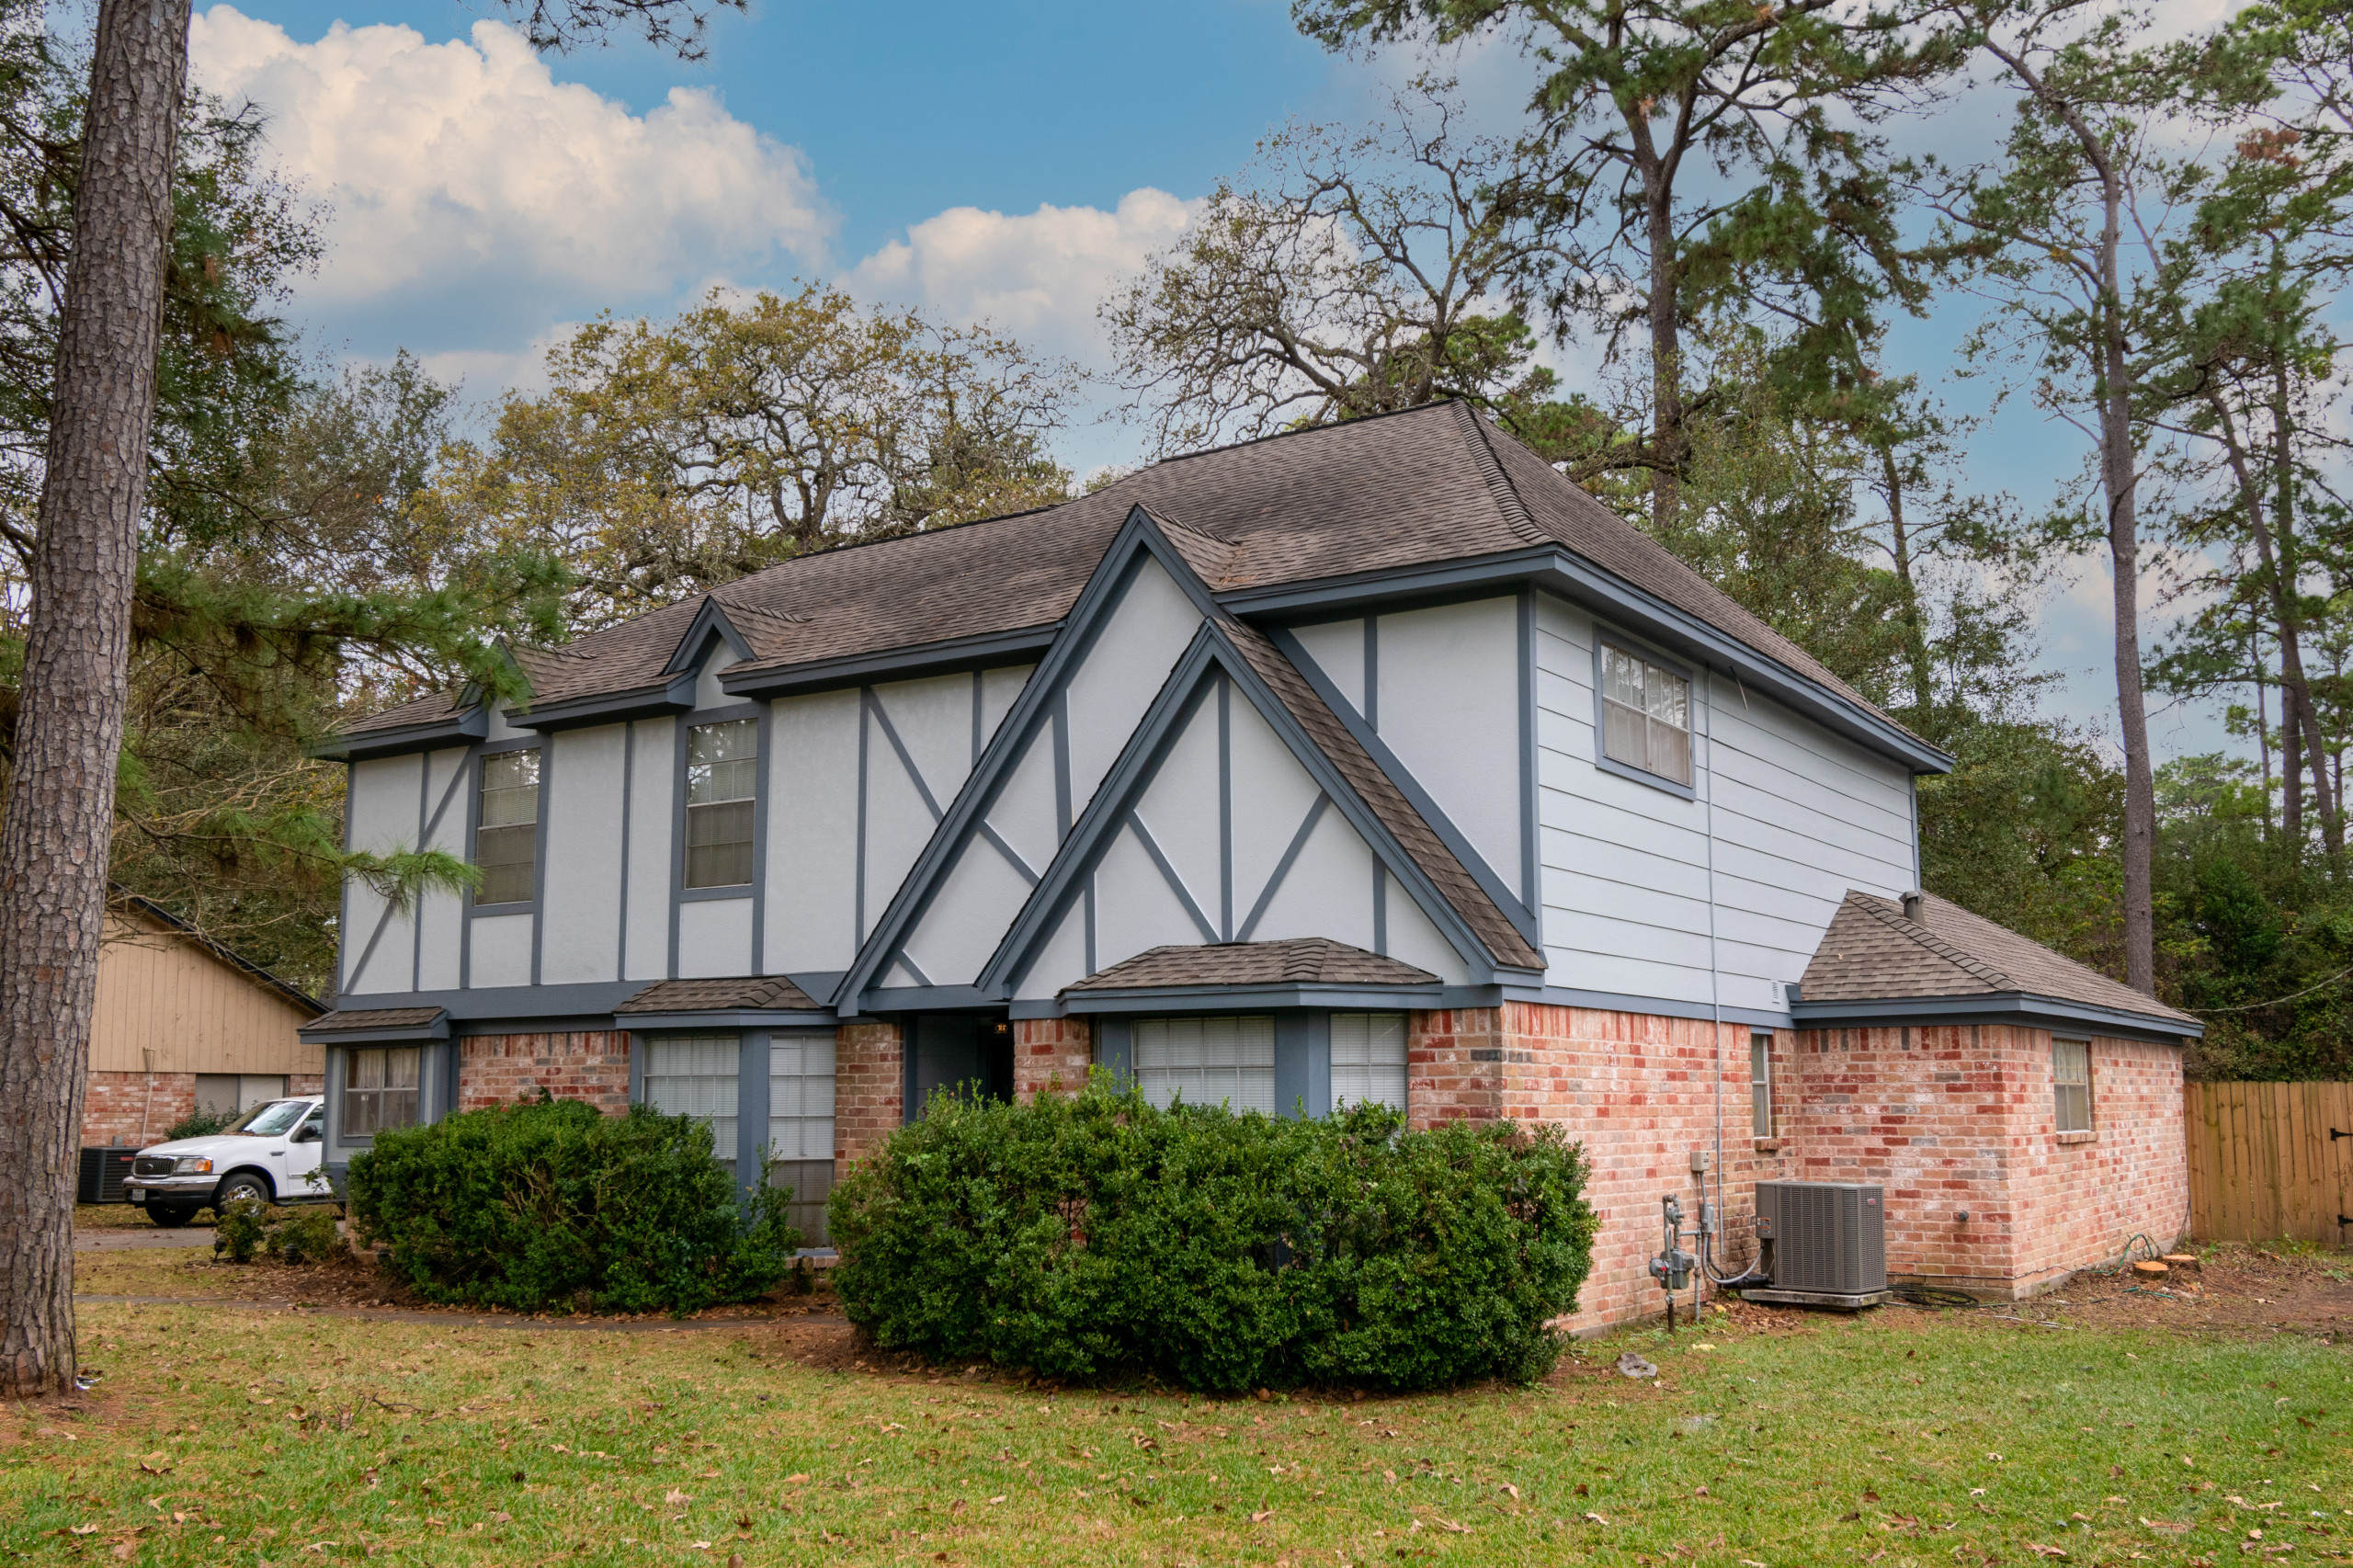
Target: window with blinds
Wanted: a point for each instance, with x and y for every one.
(801, 1128)
(1761, 1085)
(722, 775)
(379, 1089)
(1645, 715)
(1369, 1059)
(697, 1075)
(2071, 1084)
(507, 833)
(1226, 1061)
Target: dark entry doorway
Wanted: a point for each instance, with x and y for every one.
(967, 1051)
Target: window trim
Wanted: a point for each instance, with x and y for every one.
(2091, 1110)
(1605, 638)
(343, 1079)
(756, 890)
(1772, 1129)
(759, 759)
(435, 1066)
(538, 840)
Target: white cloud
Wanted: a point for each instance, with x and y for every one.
(461, 162)
(1037, 276)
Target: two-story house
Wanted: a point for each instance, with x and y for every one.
(1372, 761)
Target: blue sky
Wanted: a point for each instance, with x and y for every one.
(1008, 161)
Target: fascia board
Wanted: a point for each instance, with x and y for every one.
(741, 1019)
(1991, 1007)
(1577, 579)
(674, 695)
(981, 788)
(985, 651)
(463, 730)
(437, 1029)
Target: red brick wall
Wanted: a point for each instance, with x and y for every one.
(2080, 1200)
(1636, 1089)
(869, 1090)
(134, 1109)
(500, 1069)
(1053, 1054)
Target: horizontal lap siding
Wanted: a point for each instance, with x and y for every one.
(1800, 817)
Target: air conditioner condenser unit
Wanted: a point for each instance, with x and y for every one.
(1829, 1242)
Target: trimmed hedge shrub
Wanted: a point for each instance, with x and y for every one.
(555, 1207)
(1095, 1236)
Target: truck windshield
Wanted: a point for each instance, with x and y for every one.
(270, 1120)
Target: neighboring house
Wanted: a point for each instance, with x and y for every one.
(1372, 761)
(182, 1023)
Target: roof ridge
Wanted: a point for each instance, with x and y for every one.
(1500, 489)
(1967, 963)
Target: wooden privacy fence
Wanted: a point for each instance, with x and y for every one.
(2270, 1160)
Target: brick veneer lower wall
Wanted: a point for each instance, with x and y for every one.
(500, 1069)
(869, 1090)
(1051, 1054)
(134, 1110)
(1947, 1118)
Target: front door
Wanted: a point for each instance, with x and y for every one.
(970, 1053)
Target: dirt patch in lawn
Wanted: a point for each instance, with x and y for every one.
(2235, 1288)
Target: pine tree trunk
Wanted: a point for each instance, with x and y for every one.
(2119, 477)
(54, 839)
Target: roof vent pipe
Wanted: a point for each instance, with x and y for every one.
(1914, 909)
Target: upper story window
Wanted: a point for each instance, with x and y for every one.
(722, 768)
(1645, 715)
(506, 836)
(2071, 1084)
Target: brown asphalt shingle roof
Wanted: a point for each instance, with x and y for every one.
(1429, 485)
(375, 1018)
(758, 992)
(1872, 953)
(1304, 961)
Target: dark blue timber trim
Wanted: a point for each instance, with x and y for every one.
(1489, 880)
(1041, 705)
(674, 695)
(988, 651)
(1994, 1008)
(458, 730)
(1187, 686)
(929, 999)
(1559, 570)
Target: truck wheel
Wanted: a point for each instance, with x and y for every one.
(244, 1184)
(171, 1216)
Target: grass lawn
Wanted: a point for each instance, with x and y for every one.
(226, 1435)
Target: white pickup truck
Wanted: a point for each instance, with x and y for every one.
(270, 1153)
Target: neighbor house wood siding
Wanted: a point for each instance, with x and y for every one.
(167, 1004)
(1800, 816)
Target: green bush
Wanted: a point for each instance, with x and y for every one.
(555, 1207)
(307, 1235)
(1095, 1236)
(198, 1124)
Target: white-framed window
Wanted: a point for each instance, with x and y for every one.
(723, 777)
(1212, 1061)
(2071, 1085)
(380, 1083)
(801, 1127)
(506, 834)
(697, 1075)
(1645, 715)
(1761, 1085)
(1369, 1059)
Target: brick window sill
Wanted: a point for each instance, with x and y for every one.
(2087, 1136)
(1769, 1145)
